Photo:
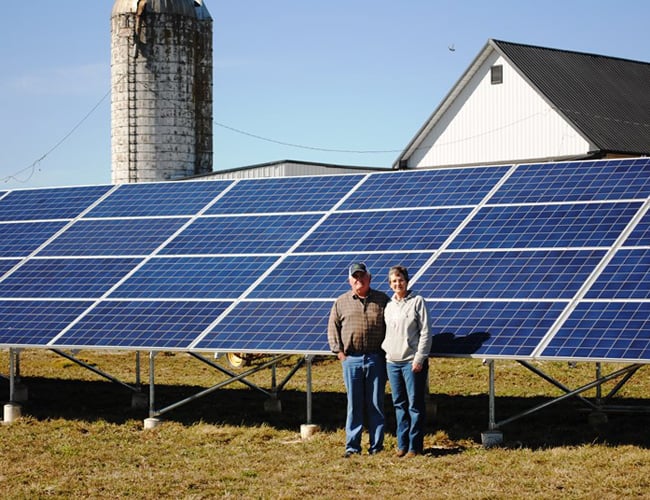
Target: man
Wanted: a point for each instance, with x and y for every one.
(355, 332)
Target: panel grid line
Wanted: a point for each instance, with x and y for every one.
(590, 280)
(273, 266)
(129, 274)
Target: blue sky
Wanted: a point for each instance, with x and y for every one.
(358, 75)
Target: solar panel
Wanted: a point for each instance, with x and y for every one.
(159, 199)
(5, 265)
(21, 239)
(247, 234)
(322, 276)
(66, 278)
(33, 323)
(164, 325)
(414, 189)
(535, 226)
(286, 194)
(54, 203)
(604, 330)
(386, 231)
(193, 277)
(539, 261)
(113, 237)
(576, 181)
(542, 274)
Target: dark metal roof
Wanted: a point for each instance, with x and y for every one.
(606, 98)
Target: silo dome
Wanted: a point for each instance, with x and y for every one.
(161, 77)
(174, 7)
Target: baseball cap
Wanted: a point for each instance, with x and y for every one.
(357, 267)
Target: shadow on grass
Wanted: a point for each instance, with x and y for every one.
(461, 418)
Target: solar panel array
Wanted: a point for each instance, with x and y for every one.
(536, 261)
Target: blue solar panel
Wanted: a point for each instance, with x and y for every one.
(531, 226)
(490, 329)
(35, 322)
(248, 234)
(22, 238)
(413, 189)
(557, 274)
(142, 324)
(272, 326)
(641, 233)
(286, 194)
(407, 230)
(57, 203)
(627, 276)
(609, 331)
(159, 199)
(577, 181)
(5, 265)
(65, 278)
(155, 266)
(98, 237)
(326, 276)
(194, 277)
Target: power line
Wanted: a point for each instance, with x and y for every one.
(32, 167)
(301, 146)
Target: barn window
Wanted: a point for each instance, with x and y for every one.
(496, 74)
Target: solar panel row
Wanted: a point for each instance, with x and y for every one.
(545, 260)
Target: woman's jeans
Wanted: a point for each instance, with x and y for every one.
(365, 382)
(408, 390)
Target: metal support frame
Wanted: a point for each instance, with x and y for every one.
(12, 374)
(233, 377)
(626, 373)
(95, 370)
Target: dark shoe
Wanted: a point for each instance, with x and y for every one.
(400, 453)
(348, 454)
(373, 452)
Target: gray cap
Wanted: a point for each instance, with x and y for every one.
(357, 267)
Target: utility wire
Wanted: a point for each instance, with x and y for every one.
(300, 146)
(32, 167)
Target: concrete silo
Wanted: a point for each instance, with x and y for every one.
(161, 80)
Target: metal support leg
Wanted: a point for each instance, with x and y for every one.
(493, 436)
(12, 375)
(151, 384)
(309, 400)
(11, 409)
(151, 422)
(308, 430)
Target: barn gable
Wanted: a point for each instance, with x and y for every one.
(519, 103)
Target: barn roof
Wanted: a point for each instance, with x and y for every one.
(606, 98)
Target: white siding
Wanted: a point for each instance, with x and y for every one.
(488, 123)
(282, 169)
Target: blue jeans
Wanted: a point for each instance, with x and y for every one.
(365, 382)
(408, 390)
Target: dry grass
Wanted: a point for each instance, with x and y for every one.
(79, 437)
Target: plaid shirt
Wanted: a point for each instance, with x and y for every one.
(356, 325)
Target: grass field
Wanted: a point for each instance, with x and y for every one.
(80, 438)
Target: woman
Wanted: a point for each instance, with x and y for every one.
(407, 345)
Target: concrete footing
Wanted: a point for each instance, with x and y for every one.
(491, 438)
(151, 423)
(12, 412)
(307, 431)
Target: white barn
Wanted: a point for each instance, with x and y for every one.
(521, 103)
